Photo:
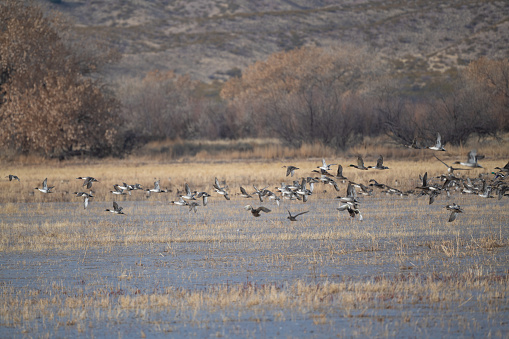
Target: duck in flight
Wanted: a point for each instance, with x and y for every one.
(360, 164)
(504, 169)
(379, 164)
(339, 173)
(156, 189)
(290, 170)
(455, 209)
(88, 181)
(45, 188)
(324, 166)
(116, 209)
(12, 177)
(472, 160)
(294, 217)
(451, 169)
(243, 193)
(221, 189)
(438, 144)
(256, 211)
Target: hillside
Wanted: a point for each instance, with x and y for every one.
(213, 39)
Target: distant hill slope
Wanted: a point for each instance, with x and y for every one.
(213, 39)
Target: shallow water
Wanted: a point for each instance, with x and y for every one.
(395, 239)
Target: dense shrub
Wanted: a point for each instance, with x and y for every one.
(48, 103)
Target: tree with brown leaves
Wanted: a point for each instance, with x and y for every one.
(48, 104)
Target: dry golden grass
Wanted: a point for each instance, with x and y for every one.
(162, 268)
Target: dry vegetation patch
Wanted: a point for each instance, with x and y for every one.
(65, 270)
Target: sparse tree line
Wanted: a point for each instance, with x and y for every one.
(53, 102)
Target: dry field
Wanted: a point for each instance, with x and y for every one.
(162, 270)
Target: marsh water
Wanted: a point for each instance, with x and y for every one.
(156, 246)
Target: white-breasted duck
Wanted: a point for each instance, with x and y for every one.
(116, 209)
(360, 164)
(472, 160)
(45, 188)
(438, 144)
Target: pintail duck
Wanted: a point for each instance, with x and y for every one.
(413, 145)
(294, 217)
(261, 192)
(85, 202)
(256, 211)
(290, 170)
(455, 209)
(275, 198)
(324, 166)
(323, 172)
(329, 181)
(117, 190)
(180, 202)
(135, 187)
(156, 189)
(189, 195)
(432, 196)
(376, 184)
(116, 209)
(84, 194)
(379, 164)
(204, 196)
(302, 190)
(438, 145)
(472, 160)
(351, 195)
(339, 173)
(243, 193)
(223, 192)
(193, 205)
(503, 191)
(12, 176)
(221, 189)
(88, 181)
(425, 186)
(486, 190)
(352, 208)
(360, 164)
(45, 188)
(451, 169)
(504, 169)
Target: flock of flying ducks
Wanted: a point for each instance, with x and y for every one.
(482, 186)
